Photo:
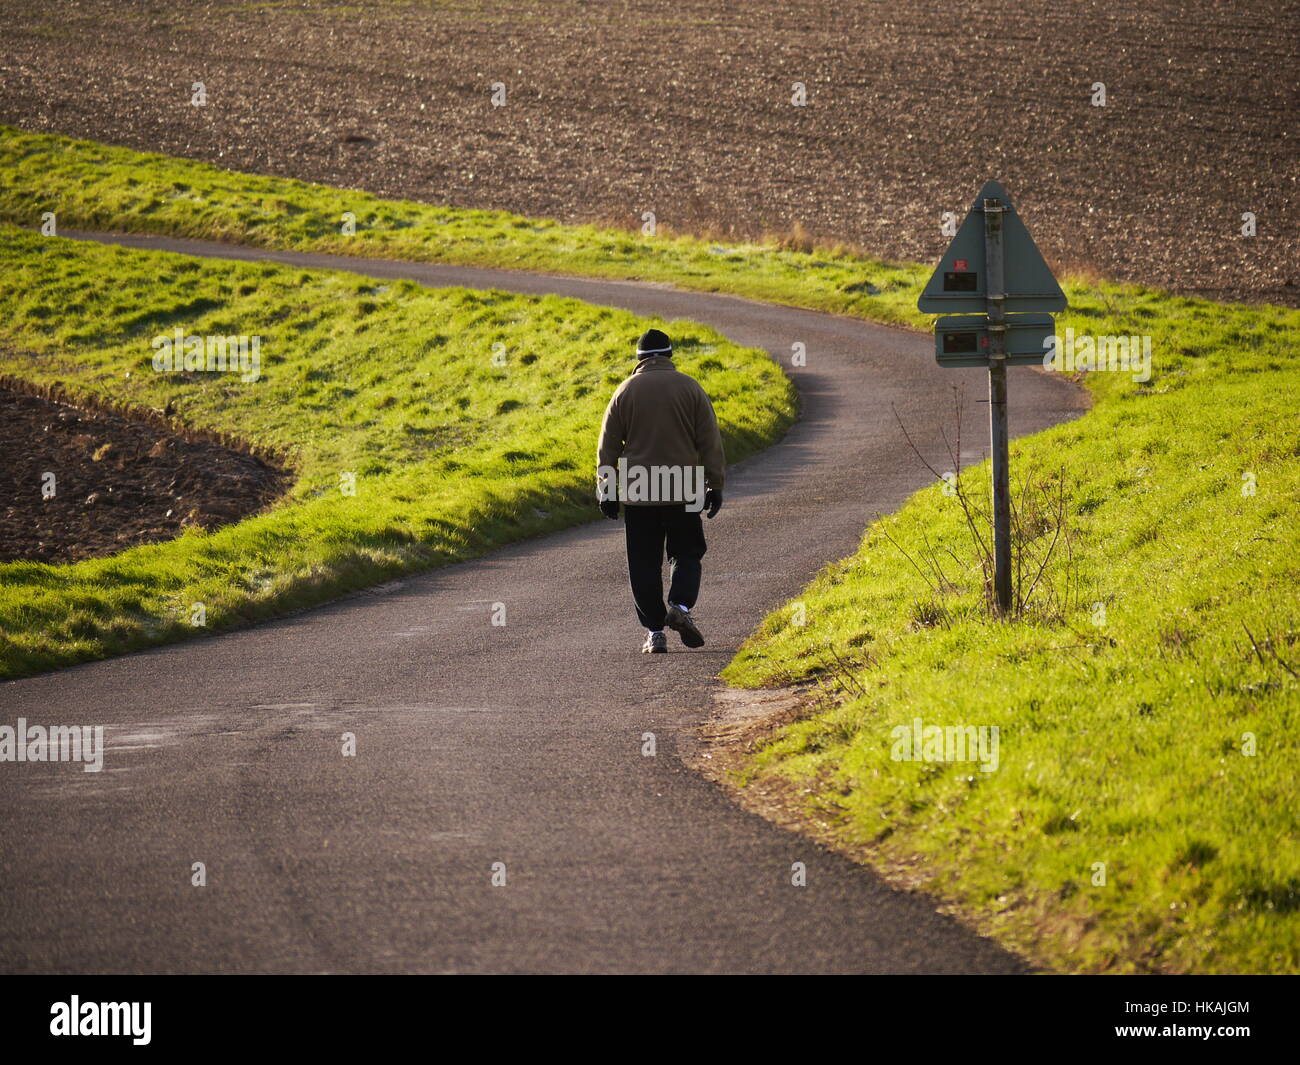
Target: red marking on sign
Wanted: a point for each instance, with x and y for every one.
(984, 342)
(960, 264)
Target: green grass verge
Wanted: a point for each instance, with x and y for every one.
(1123, 734)
(1122, 743)
(396, 383)
(96, 186)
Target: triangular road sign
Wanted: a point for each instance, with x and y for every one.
(958, 284)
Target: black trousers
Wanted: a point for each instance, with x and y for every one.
(651, 530)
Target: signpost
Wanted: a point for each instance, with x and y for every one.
(995, 276)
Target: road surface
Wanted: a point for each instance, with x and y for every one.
(479, 744)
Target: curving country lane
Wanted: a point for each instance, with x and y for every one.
(478, 744)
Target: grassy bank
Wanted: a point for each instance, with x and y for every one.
(95, 186)
(397, 384)
(1149, 718)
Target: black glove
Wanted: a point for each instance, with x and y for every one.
(609, 507)
(713, 501)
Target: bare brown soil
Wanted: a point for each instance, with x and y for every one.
(684, 109)
(117, 481)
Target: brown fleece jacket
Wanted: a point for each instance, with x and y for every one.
(662, 417)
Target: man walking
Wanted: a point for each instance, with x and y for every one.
(660, 455)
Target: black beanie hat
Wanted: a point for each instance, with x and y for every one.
(653, 342)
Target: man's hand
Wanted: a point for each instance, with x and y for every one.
(609, 507)
(713, 501)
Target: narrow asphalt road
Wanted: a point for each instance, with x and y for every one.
(479, 744)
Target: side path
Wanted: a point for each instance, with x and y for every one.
(479, 744)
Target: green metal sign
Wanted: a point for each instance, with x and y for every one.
(960, 283)
(963, 339)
